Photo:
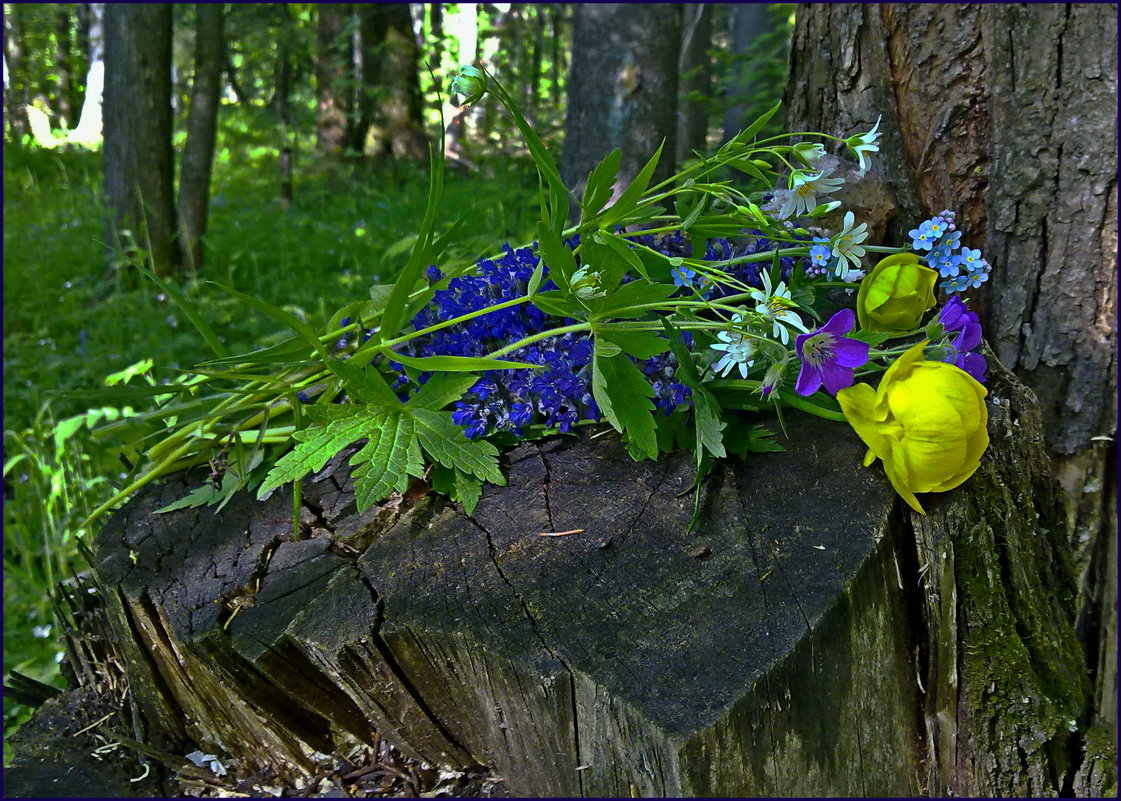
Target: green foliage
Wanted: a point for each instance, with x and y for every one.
(69, 322)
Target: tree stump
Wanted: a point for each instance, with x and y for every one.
(810, 637)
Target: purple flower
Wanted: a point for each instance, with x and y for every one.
(828, 356)
(963, 334)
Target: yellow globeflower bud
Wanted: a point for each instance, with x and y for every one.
(896, 294)
(926, 421)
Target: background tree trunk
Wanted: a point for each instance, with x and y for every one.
(63, 46)
(281, 101)
(89, 122)
(1022, 143)
(748, 23)
(392, 123)
(331, 62)
(138, 160)
(16, 95)
(695, 73)
(622, 88)
(202, 124)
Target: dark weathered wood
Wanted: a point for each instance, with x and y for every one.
(1006, 113)
(622, 88)
(809, 638)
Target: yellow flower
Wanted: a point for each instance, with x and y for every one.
(896, 294)
(926, 421)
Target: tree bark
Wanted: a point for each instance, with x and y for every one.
(202, 125)
(138, 160)
(695, 71)
(392, 123)
(811, 637)
(63, 58)
(1022, 143)
(16, 98)
(331, 77)
(281, 99)
(748, 23)
(622, 89)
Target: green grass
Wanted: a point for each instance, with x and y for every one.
(69, 320)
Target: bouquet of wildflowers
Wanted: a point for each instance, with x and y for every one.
(677, 313)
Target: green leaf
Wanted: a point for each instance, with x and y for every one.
(555, 303)
(623, 395)
(200, 496)
(397, 303)
(640, 344)
(457, 364)
(339, 426)
(633, 193)
(363, 384)
(537, 277)
(189, 310)
(625, 250)
(750, 131)
(706, 414)
(290, 350)
(446, 443)
(440, 390)
(281, 316)
(468, 491)
(558, 258)
(744, 438)
(637, 293)
(387, 460)
(601, 183)
(379, 297)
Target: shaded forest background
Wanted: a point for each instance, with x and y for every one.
(281, 149)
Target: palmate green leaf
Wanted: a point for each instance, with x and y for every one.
(338, 426)
(200, 496)
(387, 460)
(468, 491)
(446, 443)
(744, 438)
(623, 395)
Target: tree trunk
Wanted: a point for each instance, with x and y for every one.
(63, 45)
(695, 69)
(1022, 143)
(88, 131)
(811, 637)
(16, 97)
(331, 79)
(748, 23)
(283, 93)
(202, 124)
(622, 89)
(138, 160)
(392, 106)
